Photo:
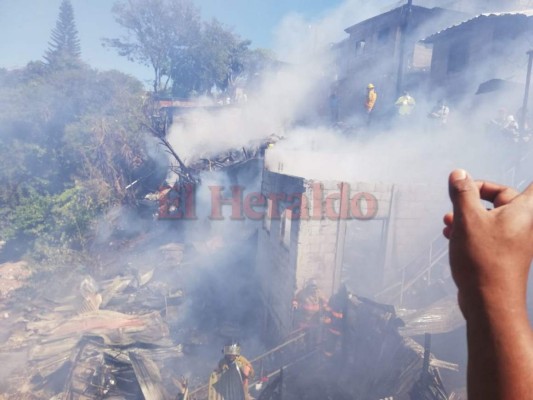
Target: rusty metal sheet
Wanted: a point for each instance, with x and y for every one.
(148, 376)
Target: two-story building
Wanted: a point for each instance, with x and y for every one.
(385, 50)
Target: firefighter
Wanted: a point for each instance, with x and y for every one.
(440, 112)
(309, 310)
(506, 124)
(370, 101)
(405, 104)
(334, 321)
(232, 357)
(308, 305)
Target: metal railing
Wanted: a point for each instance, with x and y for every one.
(269, 363)
(419, 268)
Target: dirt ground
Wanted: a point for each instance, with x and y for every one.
(12, 276)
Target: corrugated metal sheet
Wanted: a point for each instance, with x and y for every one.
(526, 13)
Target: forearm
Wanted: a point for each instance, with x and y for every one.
(490, 256)
(500, 352)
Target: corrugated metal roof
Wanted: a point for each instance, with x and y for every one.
(526, 13)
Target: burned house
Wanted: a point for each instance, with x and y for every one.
(372, 360)
(368, 235)
(490, 47)
(384, 50)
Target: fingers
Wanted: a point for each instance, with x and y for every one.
(448, 221)
(447, 232)
(498, 195)
(464, 193)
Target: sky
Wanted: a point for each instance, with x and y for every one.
(26, 26)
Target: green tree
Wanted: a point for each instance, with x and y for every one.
(64, 46)
(156, 30)
(71, 143)
(216, 58)
(186, 54)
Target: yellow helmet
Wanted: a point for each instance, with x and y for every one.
(370, 86)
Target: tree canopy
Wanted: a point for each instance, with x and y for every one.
(71, 143)
(187, 54)
(72, 137)
(216, 58)
(64, 46)
(156, 29)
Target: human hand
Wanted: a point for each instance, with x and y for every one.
(490, 250)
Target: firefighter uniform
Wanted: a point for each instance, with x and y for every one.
(370, 101)
(244, 366)
(405, 104)
(371, 97)
(334, 322)
(232, 361)
(308, 305)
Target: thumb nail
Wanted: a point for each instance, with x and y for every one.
(458, 175)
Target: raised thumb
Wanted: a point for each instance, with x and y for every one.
(464, 193)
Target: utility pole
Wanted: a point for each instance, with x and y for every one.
(404, 25)
(526, 92)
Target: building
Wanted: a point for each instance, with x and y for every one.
(487, 48)
(385, 50)
(335, 231)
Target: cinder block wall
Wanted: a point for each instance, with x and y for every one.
(317, 241)
(315, 247)
(276, 262)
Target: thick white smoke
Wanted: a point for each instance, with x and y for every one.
(292, 101)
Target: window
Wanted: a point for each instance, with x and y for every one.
(421, 57)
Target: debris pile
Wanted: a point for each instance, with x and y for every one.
(103, 339)
(371, 361)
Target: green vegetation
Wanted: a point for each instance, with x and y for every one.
(64, 50)
(188, 56)
(72, 137)
(70, 144)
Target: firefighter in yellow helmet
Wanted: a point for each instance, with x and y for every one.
(370, 101)
(234, 360)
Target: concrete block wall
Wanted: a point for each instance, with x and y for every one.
(318, 240)
(275, 260)
(411, 213)
(322, 242)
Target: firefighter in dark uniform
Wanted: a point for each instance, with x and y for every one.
(234, 360)
(334, 321)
